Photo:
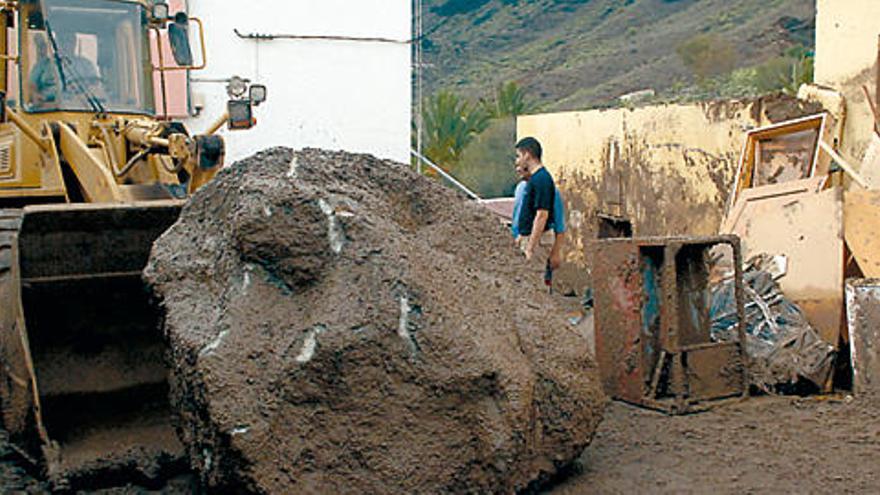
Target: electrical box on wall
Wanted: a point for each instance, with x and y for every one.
(197, 103)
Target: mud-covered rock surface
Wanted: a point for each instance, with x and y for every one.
(339, 324)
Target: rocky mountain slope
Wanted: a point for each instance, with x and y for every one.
(572, 54)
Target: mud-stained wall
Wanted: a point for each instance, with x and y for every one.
(668, 169)
(846, 56)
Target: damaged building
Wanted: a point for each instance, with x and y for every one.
(794, 177)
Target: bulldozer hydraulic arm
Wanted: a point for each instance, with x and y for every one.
(97, 181)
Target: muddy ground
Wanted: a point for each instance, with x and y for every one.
(764, 445)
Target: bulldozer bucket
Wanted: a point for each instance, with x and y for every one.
(84, 387)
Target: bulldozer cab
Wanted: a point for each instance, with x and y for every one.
(85, 56)
(83, 384)
(80, 119)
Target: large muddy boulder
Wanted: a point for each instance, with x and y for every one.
(339, 324)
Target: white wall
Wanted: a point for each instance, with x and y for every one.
(340, 95)
(846, 56)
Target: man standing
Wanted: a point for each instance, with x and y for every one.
(558, 224)
(536, 214)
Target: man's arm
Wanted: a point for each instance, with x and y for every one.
(537, 230)
(559, 230)
(518, 197)
(556, 250)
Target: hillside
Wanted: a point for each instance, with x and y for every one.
(574, 54)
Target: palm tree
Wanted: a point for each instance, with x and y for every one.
(509, 101)
(450, 124)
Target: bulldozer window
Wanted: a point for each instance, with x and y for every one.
(86, 55)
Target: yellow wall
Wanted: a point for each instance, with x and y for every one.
(674, 166)
(675, 163)
(846, 54)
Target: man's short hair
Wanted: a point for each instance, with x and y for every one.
(530, 145)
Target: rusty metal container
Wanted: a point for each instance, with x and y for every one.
(653, 340)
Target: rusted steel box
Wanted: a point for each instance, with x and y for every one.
(653, 340)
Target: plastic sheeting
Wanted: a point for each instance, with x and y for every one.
(782, 345)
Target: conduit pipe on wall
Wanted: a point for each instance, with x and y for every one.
(270, 37)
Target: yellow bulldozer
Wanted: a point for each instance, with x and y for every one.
(90, 176)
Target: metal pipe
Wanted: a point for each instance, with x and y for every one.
(160, 142)
(4, 49)
(162, 85)
(28, 130)
(420, 124)
(446, 176)
(109, 148)
(202, 41)
(223, 80)
(131, 163)
(146, 136)
(218, 124)
(269, 37)
(204, 52)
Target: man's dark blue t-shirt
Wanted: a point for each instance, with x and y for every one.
(540, 195)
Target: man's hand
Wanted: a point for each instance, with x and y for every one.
(555, 260)
(537, 231)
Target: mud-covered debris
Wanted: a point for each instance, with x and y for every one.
(784, 348)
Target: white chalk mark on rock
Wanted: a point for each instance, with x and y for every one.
(291, 172)
(334, 233)
(267, 210)
(403, 328)
(206, 453)
(214, 344)
(309, 345)
(246, 279)
(239, 431)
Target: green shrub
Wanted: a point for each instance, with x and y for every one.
(707, 55)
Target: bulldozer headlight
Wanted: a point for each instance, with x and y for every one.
(161, 12)
(257, 94)
(236, 87)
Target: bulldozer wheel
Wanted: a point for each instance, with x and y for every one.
(10, 222)
(15, 394)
